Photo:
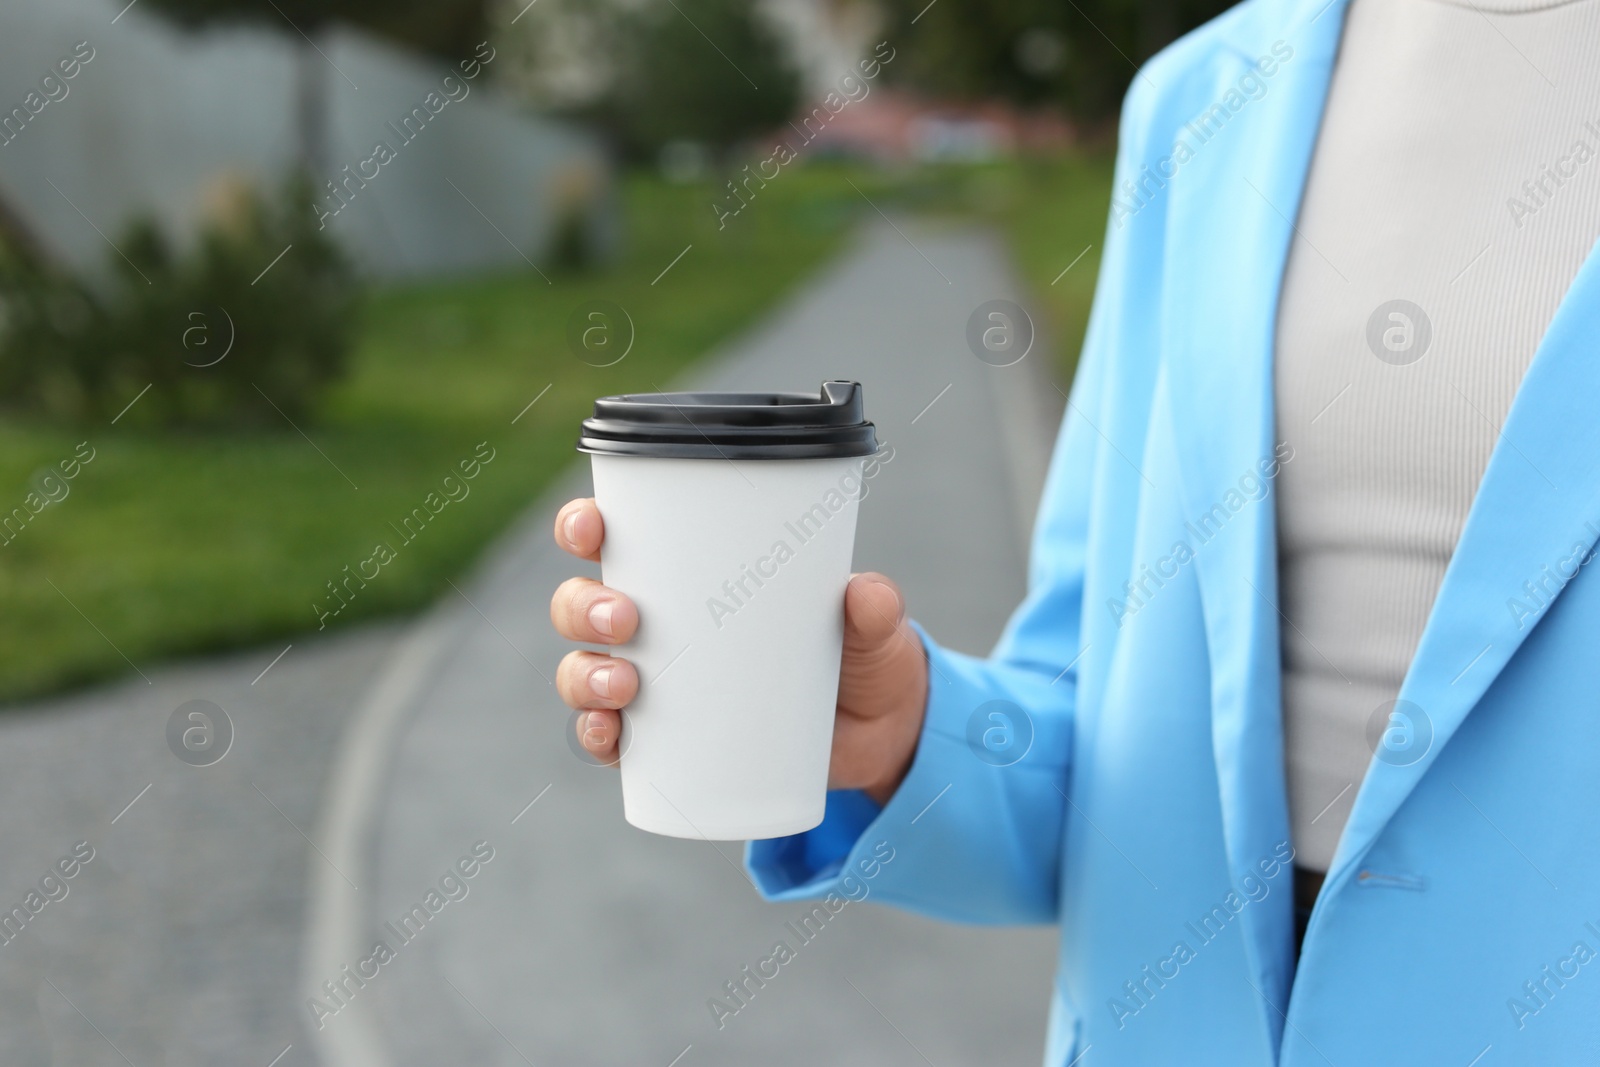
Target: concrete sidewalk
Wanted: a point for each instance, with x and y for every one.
(584, 941)
(178, 942)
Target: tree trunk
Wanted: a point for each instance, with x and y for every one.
(311, 108)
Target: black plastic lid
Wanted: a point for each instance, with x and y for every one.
(732, 425)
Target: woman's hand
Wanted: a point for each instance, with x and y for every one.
(883, 673)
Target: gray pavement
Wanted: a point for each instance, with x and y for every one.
(178, 943)
(364, 765)
(585, 941)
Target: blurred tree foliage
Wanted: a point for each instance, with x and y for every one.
(450, 29)
(708, 71)
(1078, 55)
(212, 336)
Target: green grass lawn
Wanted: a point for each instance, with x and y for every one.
(172, 543)
(1057, 213)
(181, 542)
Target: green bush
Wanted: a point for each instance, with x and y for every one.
(212, 336)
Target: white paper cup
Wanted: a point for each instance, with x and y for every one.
(737, 555)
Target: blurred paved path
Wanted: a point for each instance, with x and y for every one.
(177, 944)
(585, 941)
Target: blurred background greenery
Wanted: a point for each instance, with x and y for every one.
(204, 520)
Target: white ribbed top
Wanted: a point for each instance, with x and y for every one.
(1457, 168)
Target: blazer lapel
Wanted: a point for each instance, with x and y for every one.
(1536, 513)
(1229, 234)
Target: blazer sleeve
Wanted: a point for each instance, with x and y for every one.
(971, 835)
(966, 838)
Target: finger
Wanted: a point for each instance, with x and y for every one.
(584, 610)
(595, 681)
(598, 732)
(579, 528)
(873, 611)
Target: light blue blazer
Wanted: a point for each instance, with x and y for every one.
(1461, 916)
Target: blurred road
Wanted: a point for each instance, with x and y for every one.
(363, 767)
(584, 941)
(178, 943)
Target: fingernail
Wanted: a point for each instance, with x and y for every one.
(600, 682)
(569, 528)
(594, 730)
(600, 617)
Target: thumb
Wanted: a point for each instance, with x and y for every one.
(874, 609)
